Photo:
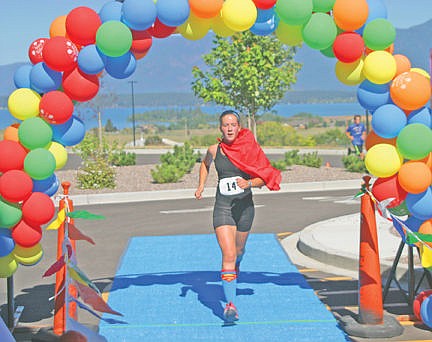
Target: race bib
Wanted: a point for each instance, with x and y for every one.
(228, 186)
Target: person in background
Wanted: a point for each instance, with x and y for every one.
(356, 132)
(241, 165)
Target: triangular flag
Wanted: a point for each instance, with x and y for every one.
(76, 234)
(91, 335)
(92, 298)
(54, 268)
(76, 274)
(84, 214)
(61, 216)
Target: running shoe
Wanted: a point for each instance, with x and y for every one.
(230, 313)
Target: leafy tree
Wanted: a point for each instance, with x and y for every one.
(246, 71)
(109, 126)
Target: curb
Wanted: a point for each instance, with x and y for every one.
(161, 195)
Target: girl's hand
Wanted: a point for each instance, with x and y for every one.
(198, 193)
(243, 183)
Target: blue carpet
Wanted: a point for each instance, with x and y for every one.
(168, 289)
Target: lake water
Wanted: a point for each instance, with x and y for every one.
(121, 117)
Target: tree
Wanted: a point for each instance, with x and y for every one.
(109, 126)
(248, 72)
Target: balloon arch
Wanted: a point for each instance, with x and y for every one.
(66, 66)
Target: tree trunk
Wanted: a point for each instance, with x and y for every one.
(254, 129)
(100, 131)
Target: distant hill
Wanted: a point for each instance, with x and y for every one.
(167, 67)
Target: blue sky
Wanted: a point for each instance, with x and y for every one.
(22, 21)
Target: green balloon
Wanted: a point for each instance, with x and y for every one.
(414, 141)
(35, 132)
(294, 12)
(289, 34)
(379, 34)
(320, 31)
(10, 214)
(323, 5)
(8, 266)
(39, 163)
(328, 52)
(113, 38)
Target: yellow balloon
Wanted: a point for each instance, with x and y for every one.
(28, 256)
(219, 28)
(60, 154)
(383, 160)
(421, 72)
(23, 103)
(239, 15)
(194, 28)
(8, 266)
(380, 67)
(350, 73)
(289, 34)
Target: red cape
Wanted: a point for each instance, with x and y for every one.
(248, 156)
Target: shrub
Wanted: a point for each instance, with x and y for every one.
(308, 159)
(292, 157)
(96, 174)
(122, 158)
(354, 164)
(279, 164)
(166, 173)
(154, 140)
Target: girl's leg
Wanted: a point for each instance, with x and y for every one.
(241, 238)
(226, 236)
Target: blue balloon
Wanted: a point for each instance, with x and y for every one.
(421, 115)
(388, 120)
(419, 205)
(121, 67)
(172, 12)
(376, 9)
(111, 11)
(48, 186)
(139, 15)
(43, 79)
(7, 243)
(264, 15)
(426, 311)
(266, 27)
(371, 95)
(22, 76)
(70, 133)
(91, 60)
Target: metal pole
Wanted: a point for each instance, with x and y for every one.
(133, 110)
(10, 303)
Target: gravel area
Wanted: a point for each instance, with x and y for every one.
(138, 178)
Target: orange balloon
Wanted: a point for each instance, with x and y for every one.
(426, 227)
(389, 49)
(410, 90)
(403, 64)
(428, 160)
(11, 133)
(138, 55)
(414, 177)
(373, 139)
(206, 9)
(350, 15)
(58, 27)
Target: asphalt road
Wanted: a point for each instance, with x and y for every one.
(275, 213)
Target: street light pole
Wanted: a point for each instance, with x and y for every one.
(133, 110)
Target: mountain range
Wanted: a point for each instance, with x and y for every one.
(167, 67)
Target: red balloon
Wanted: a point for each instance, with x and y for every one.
(80, 86)
(264, 4)
(60, 54)
(26, 234)
(385, 188)
(15, 186)
(56, 107)
(348, 47)
(35, 50)
(12, 155)
(82, 24)
(159, 30)
(38, 208)
(141, 41)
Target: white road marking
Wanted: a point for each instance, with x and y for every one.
(334, 199)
